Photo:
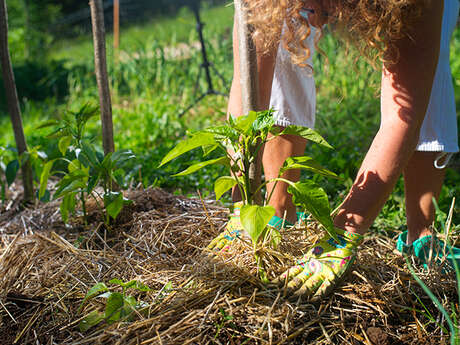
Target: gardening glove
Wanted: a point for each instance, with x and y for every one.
(317, 273)
(234, 230)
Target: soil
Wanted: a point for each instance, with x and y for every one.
(46, 268)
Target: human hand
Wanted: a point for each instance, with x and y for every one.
(317, 273)
(233, 230)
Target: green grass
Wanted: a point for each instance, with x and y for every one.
(179, 28)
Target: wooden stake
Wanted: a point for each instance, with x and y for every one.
(116, 25)
(248, 60)
(100, 62)
(249, 83)
(13, 103)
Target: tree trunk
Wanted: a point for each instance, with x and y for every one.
(100, 62)
(249, 84)
(13, 103)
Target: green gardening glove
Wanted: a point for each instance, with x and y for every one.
(322, 268)
(233, 230)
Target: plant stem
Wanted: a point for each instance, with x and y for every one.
(83, 206)
(246, 175)
(278, 179)
(240, 187)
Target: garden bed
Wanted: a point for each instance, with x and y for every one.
(47, 267)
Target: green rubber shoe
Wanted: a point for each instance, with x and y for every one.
(429, 249)
(279, 223)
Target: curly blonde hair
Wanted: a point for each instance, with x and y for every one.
(372, 26)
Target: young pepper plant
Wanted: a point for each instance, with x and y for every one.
(9, 168)
(10, 163)
(240, 140)
(86, 169)
(119, 305)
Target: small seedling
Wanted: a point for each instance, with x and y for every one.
(240, 140)
(10, 163)
(119, 305)
(86, 169)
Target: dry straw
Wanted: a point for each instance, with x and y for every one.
(158, 240)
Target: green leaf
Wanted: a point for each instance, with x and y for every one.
(58, 133)
(76, 165)
(92, 182)
(311, 197)
(107, 162)
(95, 291)
(87, 111)
(122, 156)
(82, 158)
(306, 163)
(307, 133)
(129, 305)
(197, 140)
(436, 302)
(165, 290)
(113, 307)
(90, 154)
(119, 176)
(113, 204)
(195, 167)
(64, 143)
(207, 150)
(133, 284)
(255, 218)
(44, 178)
(73, 182)
(141, 287)
(131, 301)
(223, 132)
(92, 319)
(224, 184)
(64, 207)
(49, 123)
(275, 236)
(117, 281)
(265, 121)
(11, 171)
(244, 123)
(46, 197)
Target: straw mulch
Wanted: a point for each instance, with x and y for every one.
(46, 268)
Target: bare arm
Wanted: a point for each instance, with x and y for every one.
(406, 88)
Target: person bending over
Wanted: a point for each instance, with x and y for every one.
(418, 130)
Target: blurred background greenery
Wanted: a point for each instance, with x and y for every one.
(153, 79)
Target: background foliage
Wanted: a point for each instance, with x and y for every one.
(153, 79)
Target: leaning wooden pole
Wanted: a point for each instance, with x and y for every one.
(100, 62)
(249, 81)
(13, 103)
(116, 25)
(248, 59)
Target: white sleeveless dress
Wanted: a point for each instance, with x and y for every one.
(294, 97)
